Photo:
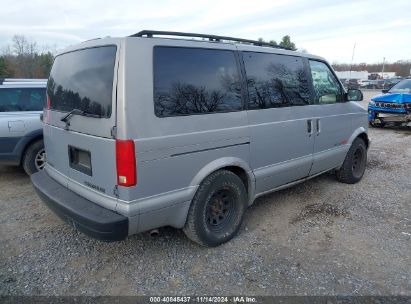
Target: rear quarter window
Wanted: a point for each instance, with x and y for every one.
(189, 81)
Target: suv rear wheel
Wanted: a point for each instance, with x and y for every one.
(354, 164)
(217, 210)
(34, 159)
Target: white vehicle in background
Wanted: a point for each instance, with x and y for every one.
(364, 83)
(21, 130)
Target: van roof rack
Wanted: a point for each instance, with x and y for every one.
(150, 34)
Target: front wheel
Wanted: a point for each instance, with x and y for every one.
(34, 159)
(217, 209)
(354, 164)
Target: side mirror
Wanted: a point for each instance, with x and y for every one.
(385, 90)
(353, 95)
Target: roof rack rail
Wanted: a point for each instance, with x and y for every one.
(93, 39)
(149, 34)
(11, 80)
(19, 81)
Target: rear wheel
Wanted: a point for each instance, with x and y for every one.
(354, 164)
(34, 158)
(217, 210)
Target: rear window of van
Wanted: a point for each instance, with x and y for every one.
(83, 80)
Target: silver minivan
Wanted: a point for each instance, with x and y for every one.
(163, 129)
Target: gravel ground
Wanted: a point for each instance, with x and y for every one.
(317, 238)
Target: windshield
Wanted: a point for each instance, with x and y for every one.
(83, 80)
(402, 87)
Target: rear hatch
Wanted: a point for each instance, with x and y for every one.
(79, 121)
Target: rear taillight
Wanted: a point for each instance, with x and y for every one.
(48, 102)
(126, 163)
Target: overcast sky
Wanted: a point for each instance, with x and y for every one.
(327, 28)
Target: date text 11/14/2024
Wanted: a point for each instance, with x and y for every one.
(203, 299)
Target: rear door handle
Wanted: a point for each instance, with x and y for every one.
(318, 125)
(310, 127)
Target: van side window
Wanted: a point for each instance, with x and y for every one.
(191, 81)
(276, 80)
(326, 86)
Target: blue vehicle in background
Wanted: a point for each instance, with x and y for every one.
(392, 107)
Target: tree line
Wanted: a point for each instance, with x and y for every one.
(285, 42)
(24, 58)
(401, 67)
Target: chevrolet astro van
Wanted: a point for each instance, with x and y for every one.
(165, 129)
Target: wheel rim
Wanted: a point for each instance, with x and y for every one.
(40, 159)
(220, 209)
(358, 163)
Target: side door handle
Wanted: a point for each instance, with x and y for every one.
(16, 126)
(318, 126)
(310, 127)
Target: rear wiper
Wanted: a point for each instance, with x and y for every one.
(67, 117)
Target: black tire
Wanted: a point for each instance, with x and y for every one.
(217, 209)
(354, 164)
(31, 161)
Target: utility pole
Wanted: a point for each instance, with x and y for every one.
(382, 72)
(352, 58)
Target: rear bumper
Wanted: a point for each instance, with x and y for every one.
(86, 216)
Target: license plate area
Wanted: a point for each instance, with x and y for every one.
(389, 115)
(80, 160)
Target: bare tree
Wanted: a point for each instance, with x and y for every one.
(23, 47)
